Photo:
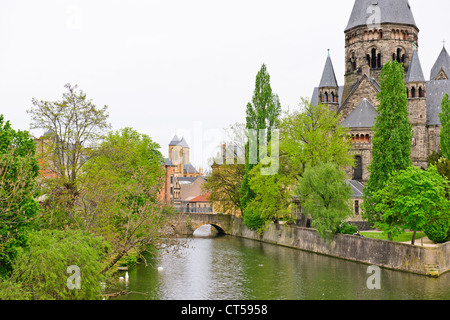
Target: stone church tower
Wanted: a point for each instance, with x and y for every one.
(377, 32)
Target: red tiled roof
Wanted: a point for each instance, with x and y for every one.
(202, 198)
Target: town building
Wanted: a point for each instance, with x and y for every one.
(183, 183)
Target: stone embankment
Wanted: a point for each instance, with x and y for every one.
(425, 260)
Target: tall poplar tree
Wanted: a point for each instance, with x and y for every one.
(444, 116)
(392, 135)
(262, 113)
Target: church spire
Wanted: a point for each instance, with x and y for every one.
(328, 79)
(415, 72)
(441, 69)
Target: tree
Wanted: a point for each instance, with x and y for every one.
(442, 164)
(444, 116)
(313, 136)
(223, 185)
(273, 197)
(262, 113)
(40, 272)
(412, 199)
(310, 136)
(224, 182)
(119, 199)
(19, 169)
(392, 136)
(73, 128)
(326, 197)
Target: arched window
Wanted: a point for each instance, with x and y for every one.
(358, 171)
(379, 60)
(325, 97)
(367, 139)
(320, 98)
(413, 92)
(374, 58)
(399, 55)
(332, 97)
(407, 92)
(420, 92)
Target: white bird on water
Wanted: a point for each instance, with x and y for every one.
(126, 278)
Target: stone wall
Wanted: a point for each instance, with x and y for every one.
(432, 261)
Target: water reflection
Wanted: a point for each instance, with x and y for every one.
(229, 268)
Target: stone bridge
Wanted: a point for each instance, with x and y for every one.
(187, 223)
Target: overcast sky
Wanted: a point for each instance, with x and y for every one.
(179, 66)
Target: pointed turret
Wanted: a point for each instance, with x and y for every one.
(175, 141)
(441, 69)
(328, 76)
(415, 72)
(328, 88)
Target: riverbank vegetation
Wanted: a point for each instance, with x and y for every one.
(77, 202)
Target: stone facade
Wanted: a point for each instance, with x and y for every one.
(367, 49)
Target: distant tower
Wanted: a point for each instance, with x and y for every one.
(180, 155)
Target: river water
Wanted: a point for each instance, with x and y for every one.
(231, 268)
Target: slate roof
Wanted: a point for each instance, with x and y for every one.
(183, 143)
(177, 142)
(357, 188)
(174, 141)
(442, 62)
(168, 163)
(392, 11)
(362, 117)
(415, 72)
(186, 180)
(328, 75)
(189, 168)
(435, 92)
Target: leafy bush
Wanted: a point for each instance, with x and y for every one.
(438, 232)
(347, 228)
(253, 220)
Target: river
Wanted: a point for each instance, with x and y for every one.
(231, 268)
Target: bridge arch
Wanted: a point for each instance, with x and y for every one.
(187, 223)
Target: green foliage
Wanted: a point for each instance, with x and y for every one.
(119, 199)
(253, 220)
(40, 272)
(262, 113)
(272, 198)
(439, 231)
(312, 136)
(392, 136)
(412, 199)
(326, 197)
(444, 116)
(19, 169)
(442, 164)
(347, 228)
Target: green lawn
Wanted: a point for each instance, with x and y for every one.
(401, 238)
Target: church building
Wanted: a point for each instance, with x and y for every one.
(368, 46)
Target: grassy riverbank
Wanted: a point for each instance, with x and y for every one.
(401, 238)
